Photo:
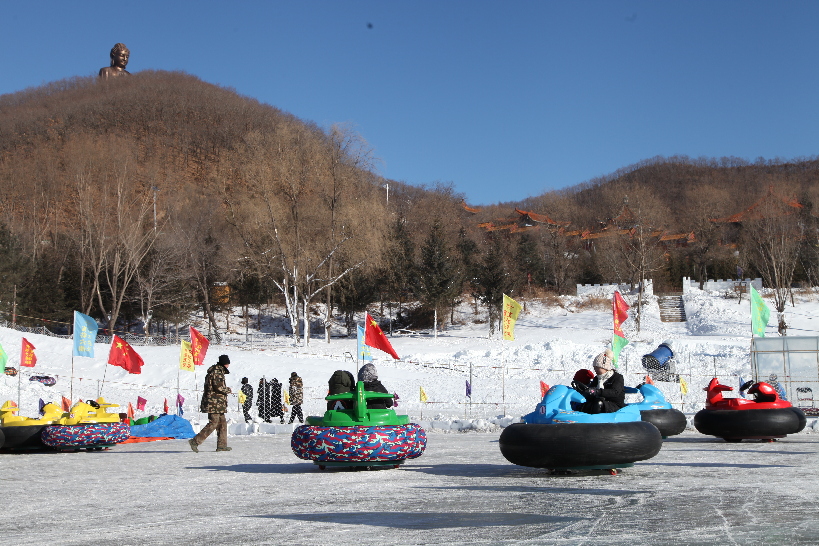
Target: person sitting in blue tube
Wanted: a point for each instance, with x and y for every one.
(606, 392)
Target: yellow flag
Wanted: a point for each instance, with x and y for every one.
(511, 310)
(423, 395)
(683, 386)
(186, 357)
(286, 397)
(242, 397)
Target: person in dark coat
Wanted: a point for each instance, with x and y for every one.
(247, 389)
(275, 390)
(214, 403)
(606, 392)
(263, 400)
(296, 397)
(340, 382)
(369, 375)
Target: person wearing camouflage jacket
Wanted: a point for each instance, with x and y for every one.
(214, 403)
(296, 397)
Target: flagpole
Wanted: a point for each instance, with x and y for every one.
(503, 376)
(470, 388)
(74, 344)
(71, 389)
(104, 371)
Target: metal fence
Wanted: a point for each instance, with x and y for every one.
(789, 363)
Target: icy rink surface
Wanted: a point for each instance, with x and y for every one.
(698, 490)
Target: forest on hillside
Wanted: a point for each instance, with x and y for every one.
(144, 199)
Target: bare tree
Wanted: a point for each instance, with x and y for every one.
(296, 223)
(774, 234)
(114, 217)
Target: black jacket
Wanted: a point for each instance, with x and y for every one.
(340, 382)
(377, 403)
(612, 393)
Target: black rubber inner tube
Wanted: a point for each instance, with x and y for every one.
(669, 422)
(575, 445)
(22, 437)
(752, 423)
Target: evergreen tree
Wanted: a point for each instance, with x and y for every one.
(529, 262)
(401, 271)
(437, 274)
(493, 281)
(353, 293)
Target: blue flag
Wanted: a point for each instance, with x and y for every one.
(468, 390)
(85, 334)
(364, 352)
(741, 382)
(42, 403)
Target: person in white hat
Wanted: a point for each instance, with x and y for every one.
(606, 392)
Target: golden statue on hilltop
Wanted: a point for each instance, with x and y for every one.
(119, 60)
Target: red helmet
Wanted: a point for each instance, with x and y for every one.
(763, 392)
(584, 376)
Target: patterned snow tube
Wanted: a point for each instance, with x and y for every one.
(25, 437)
(86, 435)
(46, 380)
(577, 445)
(359, 443)
(735, 425)
(669, 422)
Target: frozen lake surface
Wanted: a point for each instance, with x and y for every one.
(698, 490)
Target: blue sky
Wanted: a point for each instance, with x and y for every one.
(504, 100)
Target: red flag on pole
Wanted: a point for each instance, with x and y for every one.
(620, 309)
(66, 404)
(374, 337)
(199, 346)
(141, 403)
(124, 356)
(649, 380)
(165, 406)
(544, 388)
(28, 359)
(130, 411)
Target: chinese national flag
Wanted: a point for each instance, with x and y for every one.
(374, 337)
(66, 404)
(124, 356)
(199, 346)
(165, 406)
(620, 310)
(544, 388)
(28, 359)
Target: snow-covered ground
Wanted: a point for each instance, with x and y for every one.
(697, 490)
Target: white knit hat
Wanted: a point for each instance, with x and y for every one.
(604, 360)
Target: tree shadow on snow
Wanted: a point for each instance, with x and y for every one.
(430, 520)
(719, 465)
(258, 468)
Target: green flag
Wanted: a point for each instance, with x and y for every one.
(617, 344)
(759, 314)
(3, 359)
